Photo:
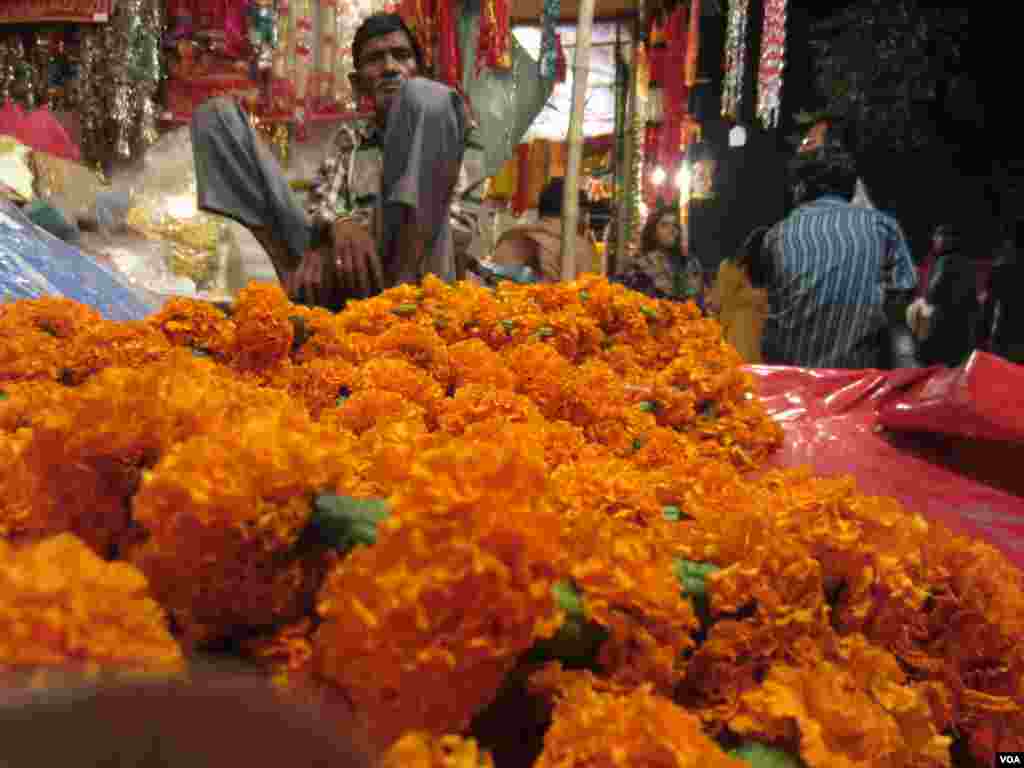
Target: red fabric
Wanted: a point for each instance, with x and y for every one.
(39, 130)
(983, 399)
(449, 56)
(835, 420)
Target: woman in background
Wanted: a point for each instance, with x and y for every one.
(660, 270)
(740, 297)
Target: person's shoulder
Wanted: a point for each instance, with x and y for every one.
(429, 90)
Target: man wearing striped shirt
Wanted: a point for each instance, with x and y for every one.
(835, 266)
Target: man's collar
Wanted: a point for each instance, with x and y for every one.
(828, 200)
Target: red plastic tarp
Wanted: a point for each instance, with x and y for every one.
(947, 443)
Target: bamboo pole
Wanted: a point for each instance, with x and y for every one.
(571, 198)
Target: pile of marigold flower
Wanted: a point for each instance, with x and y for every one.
(446, 493)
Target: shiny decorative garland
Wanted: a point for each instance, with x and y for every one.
(735, 57)
(773, 59)
(549, 39)
(109, 78)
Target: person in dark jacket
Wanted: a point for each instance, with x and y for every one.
(951, 299)
(1004, 320)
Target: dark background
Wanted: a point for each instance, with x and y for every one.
(961, 170)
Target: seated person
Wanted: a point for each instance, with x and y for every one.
(381, 207)
(739, 297)
(661, 269)
(539, 246)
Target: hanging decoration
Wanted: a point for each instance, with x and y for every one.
(693, 44)
(35, 11)
(735, 57)
(773, 60)
(107, 74)
(549, 39)
(421, 18)
(303, 60)
(494, 48)
(449, 57)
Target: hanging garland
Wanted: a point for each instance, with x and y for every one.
(494, 49)
(773, 60)
(549, 39)
(449, 57)
(735, 57)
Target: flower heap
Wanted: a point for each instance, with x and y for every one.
(544, 486)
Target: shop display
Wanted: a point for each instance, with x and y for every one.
(447, 490)
(567, 509)
(106, 73)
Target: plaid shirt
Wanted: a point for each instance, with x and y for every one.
(348, 182)
(833, 265)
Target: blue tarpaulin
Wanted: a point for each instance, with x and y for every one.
(34, 263)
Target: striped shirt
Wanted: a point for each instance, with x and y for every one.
(833, 264)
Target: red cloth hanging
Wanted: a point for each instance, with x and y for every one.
(420, 15)
(494, 48)
(675, 92)
(449, 57)
(561, 65)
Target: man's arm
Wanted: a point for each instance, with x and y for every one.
(903, 279)
(423, 149)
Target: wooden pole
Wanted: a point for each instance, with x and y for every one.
(571, 199)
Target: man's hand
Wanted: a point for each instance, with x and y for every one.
(311, 281)
(344, 268)
(354, 256)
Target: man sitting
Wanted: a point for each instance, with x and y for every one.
(381, 205)
(539, 246)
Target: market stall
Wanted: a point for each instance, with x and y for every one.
(553, 525)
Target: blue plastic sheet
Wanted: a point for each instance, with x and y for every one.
(34, 263)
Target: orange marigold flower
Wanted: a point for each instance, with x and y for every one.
(54, 315)
(421, 628)
(221, 513)
(30, 354)
(626, 575)
(86, 452)
(196, 324)
(834, 721)
(594, 393)
(264, 330)
(473, 362)
(61, 605)
(542, 374)
(419, 749)
(418, 345)
(319, 384)
(480, 402)
(592, 729)
(367, 408)
(402, 378)
(112, 345)
(26, 402)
